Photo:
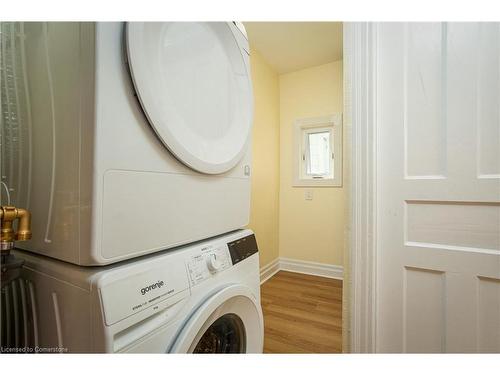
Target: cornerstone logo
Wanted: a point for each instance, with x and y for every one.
(158, 285)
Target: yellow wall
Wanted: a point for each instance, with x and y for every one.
(264, 210)
(309, 230)
(286, 225)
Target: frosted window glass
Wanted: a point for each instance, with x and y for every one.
(318, 158)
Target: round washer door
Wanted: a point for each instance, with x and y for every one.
(228, 322)
(193, 83)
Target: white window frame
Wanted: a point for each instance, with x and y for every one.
(302, 128)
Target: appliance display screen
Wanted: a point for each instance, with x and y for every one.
(242, 248)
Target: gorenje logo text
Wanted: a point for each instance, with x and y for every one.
(146, 289)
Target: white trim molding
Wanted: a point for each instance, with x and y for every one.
(360, 43)
(269, 270)
(331, 271)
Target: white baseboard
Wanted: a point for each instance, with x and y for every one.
(301, 266)
(269, 270)
(312, 268)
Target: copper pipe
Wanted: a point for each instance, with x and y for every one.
(9, 214)
(24, 225)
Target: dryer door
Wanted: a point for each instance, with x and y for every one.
(193, 82)
(228, 322)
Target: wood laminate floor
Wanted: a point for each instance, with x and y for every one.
(302, 314)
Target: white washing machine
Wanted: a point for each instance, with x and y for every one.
(134, 137)
(201, 298)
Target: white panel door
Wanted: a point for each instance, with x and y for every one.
(438, 190)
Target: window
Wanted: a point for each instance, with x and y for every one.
(318, 151)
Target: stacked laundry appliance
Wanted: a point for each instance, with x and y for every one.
(134, 161)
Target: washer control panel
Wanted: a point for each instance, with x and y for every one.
(242, 248)
(207, 262)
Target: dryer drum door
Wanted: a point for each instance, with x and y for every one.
(193, 82)
(228, 322)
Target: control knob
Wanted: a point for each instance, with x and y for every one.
(213, 263)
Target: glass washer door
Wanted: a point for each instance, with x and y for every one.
(225, 335)
(230, 321)
(193, 84)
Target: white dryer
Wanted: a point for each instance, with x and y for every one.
(136, 136)
(201, 298)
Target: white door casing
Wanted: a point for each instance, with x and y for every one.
(437, 198)
(359, 89)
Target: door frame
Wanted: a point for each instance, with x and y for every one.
(360, 77)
